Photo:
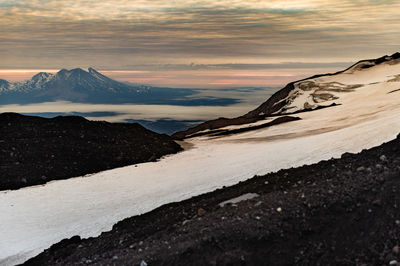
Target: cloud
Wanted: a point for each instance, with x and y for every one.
(283, 65)
(132, 111)
(114, 34)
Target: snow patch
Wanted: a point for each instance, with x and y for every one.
(243, 197)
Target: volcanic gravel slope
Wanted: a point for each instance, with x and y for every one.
(338, 212)
(35, 150)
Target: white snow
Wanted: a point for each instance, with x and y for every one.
(243, 197)
(354, 76)
(34, 218)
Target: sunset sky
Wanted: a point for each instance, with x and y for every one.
(195, 43)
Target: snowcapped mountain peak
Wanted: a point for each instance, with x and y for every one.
(78, 70)
(64, 73)
(74, 84)
(79, 73)
(4, 85)
(42, 77)
(93, 71)
(97, 74)
(35, 83)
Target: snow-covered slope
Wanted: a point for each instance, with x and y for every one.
(366, 115)
(324, 90)
(37, 82)
(4, 85)
(317, 92)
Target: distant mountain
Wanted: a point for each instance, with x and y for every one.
(4, 85)
(71, 85)
(312, 93)
(78, 85)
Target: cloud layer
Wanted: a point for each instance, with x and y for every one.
(127, 34)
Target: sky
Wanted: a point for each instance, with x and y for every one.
(195, 43)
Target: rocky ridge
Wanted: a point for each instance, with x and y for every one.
(35, 150)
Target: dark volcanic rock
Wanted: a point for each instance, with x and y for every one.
(35, 150)
(224, 132)
(214, 124)
(323, 214)
(272, 104)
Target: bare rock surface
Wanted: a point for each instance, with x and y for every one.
(35, 150)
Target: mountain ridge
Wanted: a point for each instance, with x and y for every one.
(279, 102)
(272, 104)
